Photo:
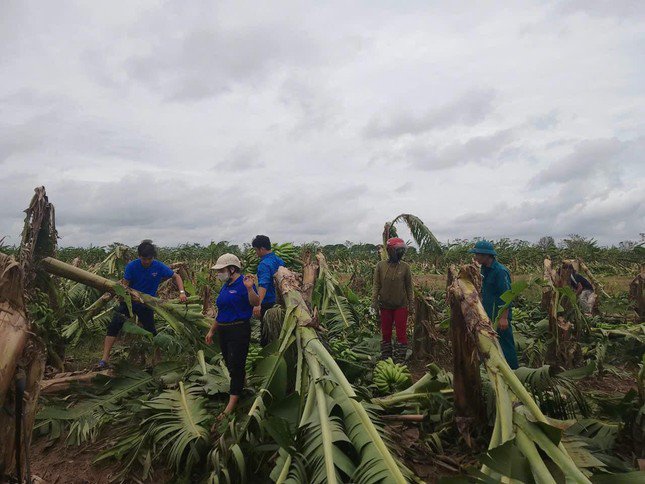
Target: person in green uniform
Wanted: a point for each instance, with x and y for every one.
(496, 281)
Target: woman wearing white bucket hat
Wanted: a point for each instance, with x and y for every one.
(235, 304)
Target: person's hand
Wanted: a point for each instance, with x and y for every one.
(257, 312)
(249, 281)
(210, 334)
(503, 323)
(182, 297)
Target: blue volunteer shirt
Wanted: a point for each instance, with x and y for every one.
(146, 279)
(267, 267)
(233, 302)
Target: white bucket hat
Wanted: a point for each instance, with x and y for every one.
(226, 260)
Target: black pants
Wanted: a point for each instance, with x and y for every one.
(264, 340)
(145, 315)
(234, 339)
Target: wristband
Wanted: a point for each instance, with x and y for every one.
(182, 292)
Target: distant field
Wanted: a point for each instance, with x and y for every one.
(612, 284)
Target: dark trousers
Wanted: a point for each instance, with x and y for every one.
(264, 339)
(145, 315)
(234, 339)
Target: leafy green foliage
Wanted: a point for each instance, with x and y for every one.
(83, 421)
(162, 422)
(557, 396)
(422, 235)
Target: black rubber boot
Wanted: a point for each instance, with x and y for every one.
(386, 350)
(400, 352)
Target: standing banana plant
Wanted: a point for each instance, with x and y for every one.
(321, 431)
(421, 234)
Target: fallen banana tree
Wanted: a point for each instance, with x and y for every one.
(322, 431)
(173, 313)
(518, 417)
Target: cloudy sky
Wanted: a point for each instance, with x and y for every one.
(209, 120)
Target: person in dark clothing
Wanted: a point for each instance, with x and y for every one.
(235, 303)
(268, 266)
(144, 275)
(496, 280)
(584, 290)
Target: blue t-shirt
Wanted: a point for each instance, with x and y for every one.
(267, 267)
(497, 280)
(146, 279)
(233, 302)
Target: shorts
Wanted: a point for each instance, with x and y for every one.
(144, 314)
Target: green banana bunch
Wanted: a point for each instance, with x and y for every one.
(337, 346)
(252, 356)
(390, 377)
(341, 349)
(288, 252)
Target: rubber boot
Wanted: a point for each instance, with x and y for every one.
(400, 352)
(386, 350)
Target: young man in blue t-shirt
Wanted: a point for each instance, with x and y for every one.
(144, 275)
(268, 266)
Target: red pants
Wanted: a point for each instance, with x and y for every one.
(398, 317)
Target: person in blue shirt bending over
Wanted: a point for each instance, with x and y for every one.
(496, 281)
(235, 303)
(268, 266)
(144, 275)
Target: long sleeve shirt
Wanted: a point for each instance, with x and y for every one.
(497, 280)
(392, 287)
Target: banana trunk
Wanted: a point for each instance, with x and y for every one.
(517, 411)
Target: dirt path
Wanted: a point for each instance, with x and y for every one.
(56, 463)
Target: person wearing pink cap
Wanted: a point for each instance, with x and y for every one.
(393, 299)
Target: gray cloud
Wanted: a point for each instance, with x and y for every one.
(545, 121)
(242, 158)
(60, 127)
(323, 127)
(140, 206)
(624, 9)
(478, 149)
(468, 110)
(403, 188)
(207, 62)
(571, 211)
(589, 158)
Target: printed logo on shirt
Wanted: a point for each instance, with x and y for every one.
(154, 274)
(232, 291)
